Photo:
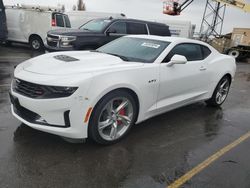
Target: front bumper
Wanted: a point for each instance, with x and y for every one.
(59, 116)
(57, 49)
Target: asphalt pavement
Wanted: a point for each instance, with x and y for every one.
(155, 154)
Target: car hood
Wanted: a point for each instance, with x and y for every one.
(72, 32)
(65, 63)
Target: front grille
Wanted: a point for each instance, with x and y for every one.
(37, 91)
(28, 89)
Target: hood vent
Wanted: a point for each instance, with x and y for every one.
(65, 58)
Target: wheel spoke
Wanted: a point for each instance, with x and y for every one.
(121, 106)
(225, 89)
(110, 108)
(218, 97)
(113, 132)
(223, 84)
(125, 119)
(102, 125)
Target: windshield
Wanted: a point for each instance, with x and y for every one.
(95, 25)
(135, 49)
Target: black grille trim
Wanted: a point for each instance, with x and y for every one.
(28, 89)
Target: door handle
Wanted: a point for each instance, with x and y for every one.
(202, 68)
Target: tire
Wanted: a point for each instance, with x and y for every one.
(235, 53)
(8, 43)
(112, 117)
(220, 93)
(36, 43)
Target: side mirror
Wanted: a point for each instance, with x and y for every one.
(111, 30)
(177, 59)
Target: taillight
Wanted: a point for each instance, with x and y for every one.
(53, 22)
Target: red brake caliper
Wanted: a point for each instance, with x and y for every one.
(122, 112)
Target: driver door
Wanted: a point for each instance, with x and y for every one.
(181, 84)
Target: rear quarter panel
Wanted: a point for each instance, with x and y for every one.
(219, 66)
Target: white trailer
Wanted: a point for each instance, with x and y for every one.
(30, 24)
(78, 18)
(179, 28)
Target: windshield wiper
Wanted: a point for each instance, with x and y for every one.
(120, 56)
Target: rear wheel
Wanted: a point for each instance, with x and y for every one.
(220, 92)
(234, 53)
(113, 117)
(36, 43)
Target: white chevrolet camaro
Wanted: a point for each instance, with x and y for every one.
(100, 94)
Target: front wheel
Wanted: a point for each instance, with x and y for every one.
(112, 117)
(36, 43)
(220, 93)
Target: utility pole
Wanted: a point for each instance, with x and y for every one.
(81, 5)
(212, 21)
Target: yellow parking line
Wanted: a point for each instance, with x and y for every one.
(208, 161)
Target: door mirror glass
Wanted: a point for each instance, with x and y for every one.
(177, 59)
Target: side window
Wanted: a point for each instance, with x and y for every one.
(161, 30)
(67, 22)
(136, 28)
(192, 52)
(119, 27)
(206, 51)
(59, 20)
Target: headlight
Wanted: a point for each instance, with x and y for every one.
(66, 41)
(58, 91)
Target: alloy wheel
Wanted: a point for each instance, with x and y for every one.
(35, 44)
(115, 118)
(222, 91)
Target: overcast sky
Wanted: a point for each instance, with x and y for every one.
(150, 10)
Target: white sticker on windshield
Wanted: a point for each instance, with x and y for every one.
(150, 45)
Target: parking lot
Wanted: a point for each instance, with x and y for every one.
(156, 153)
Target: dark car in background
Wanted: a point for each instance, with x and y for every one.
(3, 25)
(98, 32)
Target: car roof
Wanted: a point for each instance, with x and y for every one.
(132, 20)
(169, 39)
